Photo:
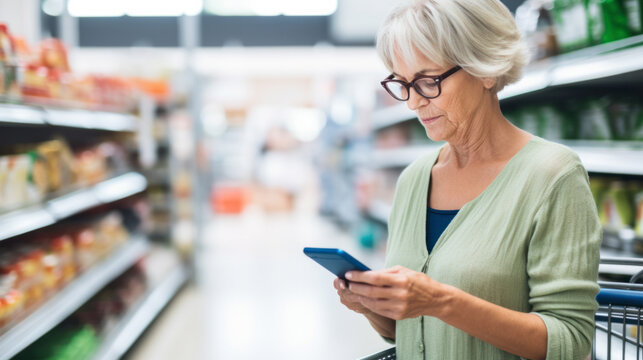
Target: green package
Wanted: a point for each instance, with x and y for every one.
(570, 21)
(551, 123)
(621, 113)
(634, 11)
(595, 24)
(615, 21)
(63, 343)
(593, 120)
(637, 122)
(598, 187)
(616, 211)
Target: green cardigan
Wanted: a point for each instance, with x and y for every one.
(529, 242)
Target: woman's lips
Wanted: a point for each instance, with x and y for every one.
(430, 120)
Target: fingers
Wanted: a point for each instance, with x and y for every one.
(394, 277)
(377, 278)
(375, 292)
(339, 284)
(387, 308)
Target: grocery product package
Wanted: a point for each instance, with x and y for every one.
(551, 123)
(570, 20)
(616, 211)
(607, 21)
(536, 25)
(594, 121)
(634, 10)
(638, 219)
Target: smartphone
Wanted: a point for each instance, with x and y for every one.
(336, 261)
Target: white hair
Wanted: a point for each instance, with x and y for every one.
(479, 35)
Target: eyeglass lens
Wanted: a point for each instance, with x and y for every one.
(426, 87)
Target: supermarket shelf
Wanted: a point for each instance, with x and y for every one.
(20, 114)
(120, 187)
(610, 160)
(130, 328)
(24, 220)
(36, 217)
(597, 156)
(533, 80)
(598, 67)
(400, 157)
(380, 211)
(70, 298)
(83, 119)
(622, 258)
(95, 120)
(390, 116)
(590, 64)
(72, 203)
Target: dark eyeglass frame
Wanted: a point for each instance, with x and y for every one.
(437, 78)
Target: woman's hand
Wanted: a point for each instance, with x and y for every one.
(397, 293)
(385, 326)
(348, 298)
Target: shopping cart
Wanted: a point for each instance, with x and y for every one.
(618, 319)
(388, 354)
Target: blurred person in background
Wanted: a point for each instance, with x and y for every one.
(283, 175)
(494, 239)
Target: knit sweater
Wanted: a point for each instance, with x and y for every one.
(529, 242)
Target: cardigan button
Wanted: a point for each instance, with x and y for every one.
(421, 347)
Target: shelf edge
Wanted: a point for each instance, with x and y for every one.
(59, 208)
(70, 298)
(123, 336)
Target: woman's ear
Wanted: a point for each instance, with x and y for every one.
(489, 83)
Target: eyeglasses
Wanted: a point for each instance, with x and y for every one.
(427, 86)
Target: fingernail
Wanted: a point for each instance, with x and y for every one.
(349, 275)
(341, 285)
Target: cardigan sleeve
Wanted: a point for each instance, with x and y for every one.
(562, 265)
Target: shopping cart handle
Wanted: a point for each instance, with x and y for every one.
(620, 297)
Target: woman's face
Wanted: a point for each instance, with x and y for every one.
(451, 115)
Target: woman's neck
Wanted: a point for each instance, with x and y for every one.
(489, 137)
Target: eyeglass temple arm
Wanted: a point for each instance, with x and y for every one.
(450, 72)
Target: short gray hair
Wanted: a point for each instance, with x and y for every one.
(479, 35)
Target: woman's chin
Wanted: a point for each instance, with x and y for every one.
(435, 135)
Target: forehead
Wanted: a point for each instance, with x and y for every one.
(409, 65)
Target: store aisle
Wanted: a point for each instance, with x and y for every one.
(260, 297)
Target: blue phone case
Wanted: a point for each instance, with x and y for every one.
(336, 261)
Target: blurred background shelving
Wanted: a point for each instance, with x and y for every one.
(74, 210)
(157, 158)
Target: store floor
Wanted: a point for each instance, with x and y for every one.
(259, 297)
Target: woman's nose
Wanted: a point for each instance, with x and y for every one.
(415, 100)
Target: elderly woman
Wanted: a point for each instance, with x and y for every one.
(494, 239)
